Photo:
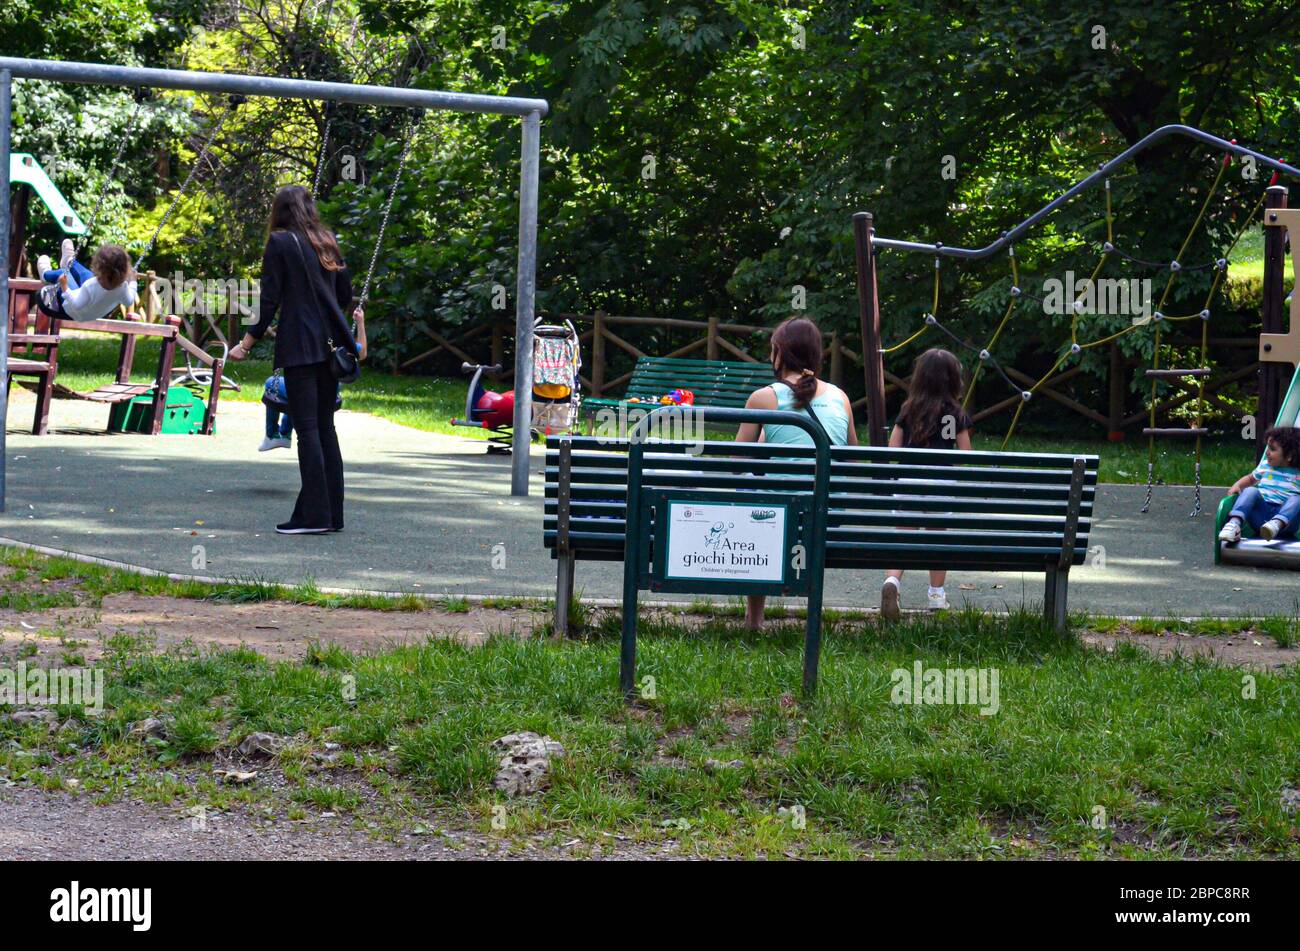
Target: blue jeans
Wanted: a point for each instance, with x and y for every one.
(278, 425)
(78, 274)
(1253, 509)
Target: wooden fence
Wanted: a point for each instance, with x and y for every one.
(714, 339)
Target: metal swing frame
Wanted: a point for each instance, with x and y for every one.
(529, 111)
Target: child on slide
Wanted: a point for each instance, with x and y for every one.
(930, 418)
(1268, 498)
(74, 292)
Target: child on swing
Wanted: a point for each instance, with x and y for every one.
(279, 424)
(75, 292)
(1268, 497)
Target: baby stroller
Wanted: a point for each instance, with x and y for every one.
(556, 362)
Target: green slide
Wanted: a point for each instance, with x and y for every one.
(25, 170)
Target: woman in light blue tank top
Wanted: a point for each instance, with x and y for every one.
(797, 361)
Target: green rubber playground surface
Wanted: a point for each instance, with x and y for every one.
(432, 514)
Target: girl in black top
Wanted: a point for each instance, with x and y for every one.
(930, 418)
(305, 280)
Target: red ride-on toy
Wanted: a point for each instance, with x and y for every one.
(485, 409)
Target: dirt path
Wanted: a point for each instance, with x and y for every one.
(36, 825)
(279, 630)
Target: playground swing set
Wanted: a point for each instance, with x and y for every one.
(1275, 347)
(165, 405)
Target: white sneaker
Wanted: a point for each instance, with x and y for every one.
(889, 600)
(43, 264)
(277, 443)
(937, 600)
(67, 253)
(1272, 528)
(1231, 531)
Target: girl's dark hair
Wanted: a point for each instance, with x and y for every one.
(111, 265)
(797, 348)
(935, 392)
(294, 210)
(1288, 440)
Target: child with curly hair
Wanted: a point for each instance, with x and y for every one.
(1268, 498)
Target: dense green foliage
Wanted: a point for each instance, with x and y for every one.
(699, 159)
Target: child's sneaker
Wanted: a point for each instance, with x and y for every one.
(1272, 528)
(889, 599)
(1231, 531)
(43, 264)
(938, 599)
(276, 442)
(67, 253)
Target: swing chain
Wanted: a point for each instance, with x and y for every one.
(1151, 469)
(1197, 510)
(198, 163)
(383, 222)
(112, 173)
(320, 159)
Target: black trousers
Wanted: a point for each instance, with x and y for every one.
(311, 390)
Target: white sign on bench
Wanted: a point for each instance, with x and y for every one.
(728, 541)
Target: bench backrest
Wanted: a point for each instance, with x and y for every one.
(714, 382)
(903, 508)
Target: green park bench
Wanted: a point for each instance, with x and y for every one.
(719, 383)
(888, 508)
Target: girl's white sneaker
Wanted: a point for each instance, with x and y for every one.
(1231, 531)
(938, 600)
(1272, 528)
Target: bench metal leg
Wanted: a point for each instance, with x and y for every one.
(1054, 599)
(564, 571)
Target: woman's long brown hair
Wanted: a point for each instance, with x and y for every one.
(934, 393)
(294, 210)
(797, 348)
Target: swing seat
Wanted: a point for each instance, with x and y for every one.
(109, 393)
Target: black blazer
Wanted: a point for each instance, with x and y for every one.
(295, 284)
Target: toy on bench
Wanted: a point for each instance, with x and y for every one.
(718, 383)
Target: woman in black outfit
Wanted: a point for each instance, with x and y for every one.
(305, 279)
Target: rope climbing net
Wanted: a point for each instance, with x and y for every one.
(1154, 322)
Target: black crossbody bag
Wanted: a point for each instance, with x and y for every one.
(344, 365)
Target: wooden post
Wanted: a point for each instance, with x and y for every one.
(711, 348)
(151, 297)
(873, 365)
(1271, 317)
(18, 216)
(1115, 428)
(598, 355)
(837, 360)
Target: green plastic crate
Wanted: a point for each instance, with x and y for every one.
(183, 414)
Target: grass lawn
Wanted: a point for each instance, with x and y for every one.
(1089, 753)
(428, 403)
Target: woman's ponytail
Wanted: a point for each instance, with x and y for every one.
(797, 348)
